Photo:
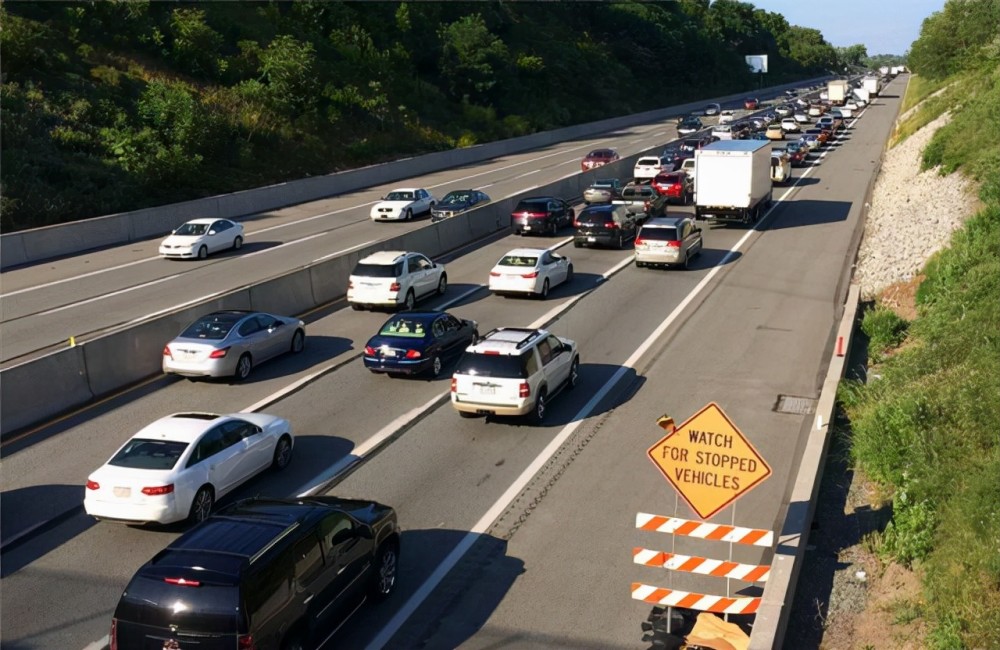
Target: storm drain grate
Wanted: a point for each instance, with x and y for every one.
(795, 405)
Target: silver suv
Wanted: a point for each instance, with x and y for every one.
(514, 371)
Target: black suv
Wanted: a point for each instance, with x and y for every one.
(605, 225)
(267, 574)
(540, 214)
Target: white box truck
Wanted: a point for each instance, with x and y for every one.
(837, 91)
(872, 85)
(863, 95)
(733, 181)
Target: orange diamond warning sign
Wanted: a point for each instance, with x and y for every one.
(708, 460)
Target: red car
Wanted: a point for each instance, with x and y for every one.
(598, 157)
(676, 186)
(751, 103)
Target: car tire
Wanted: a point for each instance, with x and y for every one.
(574, 374)
(687, 261)
(436, 366)
(538, 411)
(569, 274)
(408, 215)
(203, 252)
(385, 573)
(237, 243)
(410, 301)
(577, 244)
(544, 293)
(201, 504)
(243, 367)
(357, 307)
(282, 453)
(298, 341)
(553, 228)
(621, 240)
(442, 284)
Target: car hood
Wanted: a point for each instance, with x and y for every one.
(451, 207)
(183, 240)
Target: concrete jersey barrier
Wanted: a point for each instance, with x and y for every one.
(38, 244)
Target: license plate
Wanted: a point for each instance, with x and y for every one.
(487, 390)
(123, 492)
(388, 353)
(591, 239)
(527, 227)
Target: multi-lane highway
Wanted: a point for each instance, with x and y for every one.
(536, 524)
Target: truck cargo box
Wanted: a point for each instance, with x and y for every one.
(733, 180)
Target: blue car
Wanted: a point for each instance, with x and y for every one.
(413, 343)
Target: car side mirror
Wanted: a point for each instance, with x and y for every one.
(211, 232)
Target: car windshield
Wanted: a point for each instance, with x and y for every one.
(141, 453)
(378, 270)
(399, 196)
(456, 197)
(214, 327)
(491, 365)
(192, 229)
(518, 260)
(406, 327)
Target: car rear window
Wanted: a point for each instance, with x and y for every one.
(405, 326)
(532, 206)
(501, 366)
(648, 161)
(518, 260)
(668, 178)
(213, 327)
(378, 270)
(590, 217)
(142, 453)
(659, 234)
(205, 609)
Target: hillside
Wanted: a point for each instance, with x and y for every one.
(114, 106)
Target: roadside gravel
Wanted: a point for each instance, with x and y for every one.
(912, 214)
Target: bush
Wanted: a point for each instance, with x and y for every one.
(885, 330)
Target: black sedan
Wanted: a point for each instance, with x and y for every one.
(413, 343)
(457, 202)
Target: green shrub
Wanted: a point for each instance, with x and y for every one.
(885, 330)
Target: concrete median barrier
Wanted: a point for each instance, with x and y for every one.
(286, 294)
(157, 222)
(455, 232)
(12, 252)
(43, 388)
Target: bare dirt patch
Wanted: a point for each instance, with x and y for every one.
(901, 297)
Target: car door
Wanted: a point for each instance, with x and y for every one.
(218, 236)
(554, 376)
(348, 553)
(258, 448)
(422, 270)
(275, 338)
(221, 450)
(253, 337)
(445, 336)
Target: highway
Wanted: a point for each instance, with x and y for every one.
(546, 558)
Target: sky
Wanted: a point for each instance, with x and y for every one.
(882, 26)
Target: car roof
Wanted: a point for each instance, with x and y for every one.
(664, 222)
(421, 316)
(533, 199)
(641, 158)
(383, 257)
(205, 220)
(180, 427)
(601, 152)
(507, 340)
(526, 252)
(404, 189)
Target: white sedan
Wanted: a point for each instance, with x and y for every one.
(199, 237)
(801, 117)
(177, 467)
(789, 125)
(403, 204)
(531, 271)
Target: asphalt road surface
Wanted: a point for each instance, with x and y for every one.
(536, 524)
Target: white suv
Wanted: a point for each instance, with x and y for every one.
(513, 371)
(394, 279)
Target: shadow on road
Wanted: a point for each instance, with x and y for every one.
(808, 212)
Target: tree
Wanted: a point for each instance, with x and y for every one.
(958, 37)
(287, 66)
(472, 60)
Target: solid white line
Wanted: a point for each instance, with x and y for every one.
(99, 645)
(533, 171)
(78, 277)
(521, 191)
(106, 295)
(314, 217)
(166, 310)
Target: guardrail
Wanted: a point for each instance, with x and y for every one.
(37, 244)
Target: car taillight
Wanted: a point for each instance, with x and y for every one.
(245, 642)
(113, 635)
(454, 385)
(530, 275)
(494, 274)
(638, 240)
(576, 223)
(158, 490)
(93, 485)
(394, 286)
(369, 350)
(218, 354)
(166, 351)
(612, 224)
(413, 354)
(182, 582)
(673, 244)
(524, 390)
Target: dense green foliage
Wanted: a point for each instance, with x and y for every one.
(112, 105)
(929, 428)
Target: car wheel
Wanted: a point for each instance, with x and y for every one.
(408, 215)
(436, 366)
(203, 252)
(621, 240)
(282, 453)
(475, 337)
(538, 413)
(544, 293)
(244, 366)
(386, 567)
(569, 273)
(237, 243)
(687, 261)
(298, 341)
(553, 228)
(574, 374)
(357, 307)
(201, 505)
(577, 244)
(442, 284)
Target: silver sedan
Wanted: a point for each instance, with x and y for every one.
(231, 343)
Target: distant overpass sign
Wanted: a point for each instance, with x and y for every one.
(756, 62)
(708, 460)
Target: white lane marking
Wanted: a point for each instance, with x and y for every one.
(483, 187)
(78, 277)
(346, 250)
(167, 310)
(521, 191)
(314, 217)
(517, 164)
(283, 245)
(533, 171)
(106, 295)
(101, 644)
